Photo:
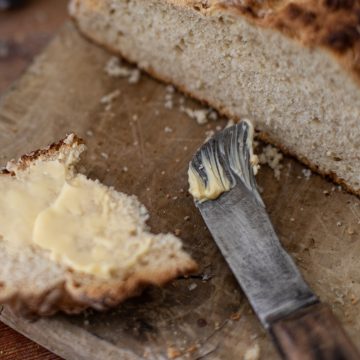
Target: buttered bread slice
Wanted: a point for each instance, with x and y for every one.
(68, 242)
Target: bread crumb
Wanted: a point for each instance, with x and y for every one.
(292, 219)
(192, 286)
(170, 89)
(200, 116)
(192, 348)
(177, 232)
(125, 169)
(253, 353)
(89, 133)
(307, 173)
(235, 316)
(168, 129)
(187, 218)
(173, 352)
(350, 231)
(205, 277)
(338, 224)
(134, 77)
(107, 99)
(114, 68)
(104, 155)
(168, 104)
(213, 115)
(272, 157)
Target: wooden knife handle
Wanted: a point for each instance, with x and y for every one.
(313, 333)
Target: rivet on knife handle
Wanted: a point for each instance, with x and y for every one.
(222, 182)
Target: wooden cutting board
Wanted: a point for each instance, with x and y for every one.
(205, 316)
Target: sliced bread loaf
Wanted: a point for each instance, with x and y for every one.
(291, 66)
(68, 243)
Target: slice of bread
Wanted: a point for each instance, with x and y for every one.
(37, 278)
(290, 66)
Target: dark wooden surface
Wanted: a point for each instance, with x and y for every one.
(313, 333)
(205, 316)
(23, 33)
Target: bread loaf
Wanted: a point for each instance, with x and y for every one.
(293, 67)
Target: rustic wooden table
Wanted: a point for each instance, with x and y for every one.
(23, 33)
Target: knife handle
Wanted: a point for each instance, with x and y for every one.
(313, 333)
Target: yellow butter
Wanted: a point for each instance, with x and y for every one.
(217, 182)
(82, 223)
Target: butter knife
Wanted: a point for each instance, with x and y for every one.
(222, 182)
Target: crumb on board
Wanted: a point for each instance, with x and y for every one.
(271, 156)
(252, 353)
(109, 98)
(192, 348)
(168, 129)
(192, 286)
(173, 352)
(307, 173)
(115, 68)
(235, 316)
(200, 116)
(134, 77)
(169, 101)
(89, 133)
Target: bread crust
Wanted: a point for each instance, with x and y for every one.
(75, 291)
(332, 25)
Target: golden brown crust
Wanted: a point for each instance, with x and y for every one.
(332, 25)
(98, 295)
(48, 151)
(261, 135)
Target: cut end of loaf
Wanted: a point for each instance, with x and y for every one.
(301, 98)
(32, 283)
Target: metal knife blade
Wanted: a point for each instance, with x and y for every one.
(239, 224)
(247, 240)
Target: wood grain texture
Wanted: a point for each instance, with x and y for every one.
(313, 333)
(204, 316)
(24, 32)
(13, 346)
